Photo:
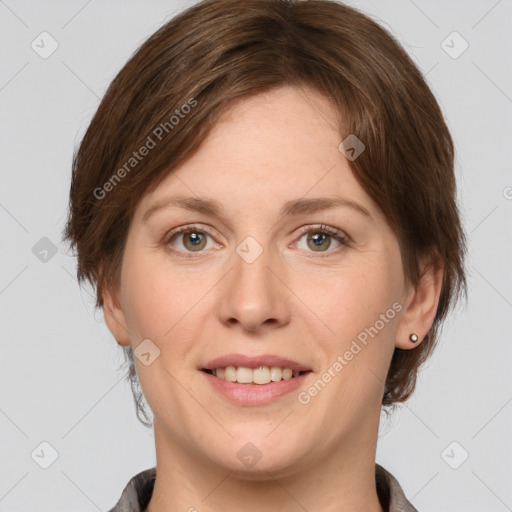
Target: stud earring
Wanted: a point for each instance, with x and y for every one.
(413, 337)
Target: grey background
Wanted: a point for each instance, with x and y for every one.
(58, 369)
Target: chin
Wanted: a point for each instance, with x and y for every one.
(254, 460)
(265, 470)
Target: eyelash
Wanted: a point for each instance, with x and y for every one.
(321, 228)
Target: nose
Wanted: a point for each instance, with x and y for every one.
(254, 296)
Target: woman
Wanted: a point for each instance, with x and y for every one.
(265, 202)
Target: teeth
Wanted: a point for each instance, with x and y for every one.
(244, 375)
(276, 373)
(287, 373)
(230, 373)
(261, 375)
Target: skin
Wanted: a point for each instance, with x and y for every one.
(291, 301)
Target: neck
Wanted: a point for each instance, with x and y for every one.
(342, 478)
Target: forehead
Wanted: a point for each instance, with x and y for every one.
(264, 151)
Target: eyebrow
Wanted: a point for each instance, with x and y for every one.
(290, 208)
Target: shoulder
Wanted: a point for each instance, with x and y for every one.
(391, 494)
(137, 493)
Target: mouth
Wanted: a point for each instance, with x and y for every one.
(260, 385)
(260, 375)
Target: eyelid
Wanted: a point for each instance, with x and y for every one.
(339, 235)
(169, 235)
(323, 227)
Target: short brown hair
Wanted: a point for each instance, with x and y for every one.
(219, 51)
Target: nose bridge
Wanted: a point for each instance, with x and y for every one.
(252, 295)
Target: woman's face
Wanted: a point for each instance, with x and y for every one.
(261, 281)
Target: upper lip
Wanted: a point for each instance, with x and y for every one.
(254, 362)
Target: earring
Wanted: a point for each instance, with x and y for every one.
(413, 337)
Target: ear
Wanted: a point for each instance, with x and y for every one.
(115, 317)
(420, 306)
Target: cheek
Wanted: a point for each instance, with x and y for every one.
(352, 298)
(159, 300)
(361, 308)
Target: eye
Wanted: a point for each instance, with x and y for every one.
(319, 238)
(191, 239)
(186, 240)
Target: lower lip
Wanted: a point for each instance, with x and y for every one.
(255, 394)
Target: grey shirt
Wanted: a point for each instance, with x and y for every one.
(138, 491)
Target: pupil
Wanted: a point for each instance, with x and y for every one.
(319, 239)
(193, 240)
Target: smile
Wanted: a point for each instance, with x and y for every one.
(261, 375)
